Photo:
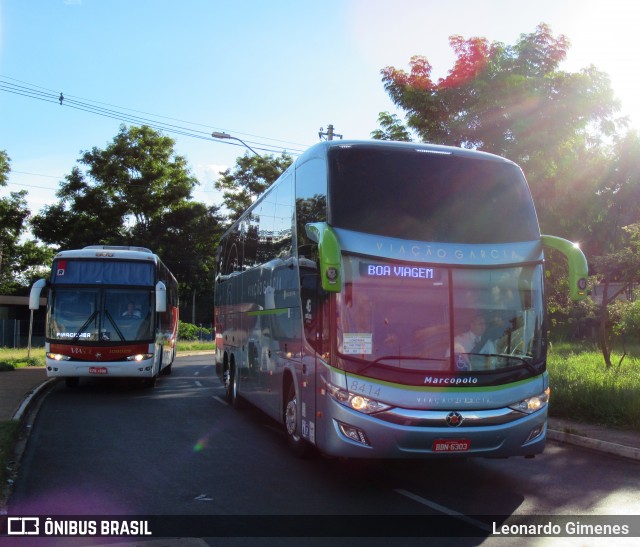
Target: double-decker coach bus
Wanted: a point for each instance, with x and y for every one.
(111, 312)
(386, 300)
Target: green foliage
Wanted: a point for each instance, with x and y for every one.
(5, 167)
(188, 331)
(194, 345)
(392, 129)
(17, 358)
(625, 317)
(133, 182)
(21, 260)
(584, 390)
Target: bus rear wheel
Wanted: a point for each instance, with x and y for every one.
(231, 385)
(300, 447)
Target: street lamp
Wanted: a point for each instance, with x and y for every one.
(221, 135)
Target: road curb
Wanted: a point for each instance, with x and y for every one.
(595, 444)
(30, 397)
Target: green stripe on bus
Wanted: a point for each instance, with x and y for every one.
(275, 311)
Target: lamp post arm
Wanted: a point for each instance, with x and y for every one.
(222, 135)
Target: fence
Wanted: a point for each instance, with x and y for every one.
(14, 333)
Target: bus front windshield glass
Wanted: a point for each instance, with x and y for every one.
(100, 315)
(400, 315)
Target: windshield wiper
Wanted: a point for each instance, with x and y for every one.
(118, 331)
(84, 326)
(368, 363)
(526, 361)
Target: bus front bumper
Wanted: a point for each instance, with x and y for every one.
(355, 435)
(118, 369)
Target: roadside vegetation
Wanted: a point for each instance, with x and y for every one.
(584, 389)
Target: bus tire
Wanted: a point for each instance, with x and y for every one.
(150, 382)
(231, 386)
(298, 445)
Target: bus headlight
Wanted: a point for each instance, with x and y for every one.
(355, 401)
(58, 357)
(532, 404)
(140, 357)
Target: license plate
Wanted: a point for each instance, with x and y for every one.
(98, 370)
(451, 445)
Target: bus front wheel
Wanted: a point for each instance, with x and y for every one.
(299, 446)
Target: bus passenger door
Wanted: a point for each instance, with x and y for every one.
(315, 321)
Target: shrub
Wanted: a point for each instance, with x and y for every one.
(189, 331)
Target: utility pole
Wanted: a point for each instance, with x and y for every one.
(329, 134)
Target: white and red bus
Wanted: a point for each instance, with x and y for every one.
(111, 312)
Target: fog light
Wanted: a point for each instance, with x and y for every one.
(535, 432)
(353, 433)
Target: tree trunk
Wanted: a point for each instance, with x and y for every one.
(603, 338)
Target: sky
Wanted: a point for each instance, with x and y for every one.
(269, 72)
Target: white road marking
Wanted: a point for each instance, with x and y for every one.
(445, 510)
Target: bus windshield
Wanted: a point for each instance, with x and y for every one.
(429, 196)
(100, 314)
(439, 319)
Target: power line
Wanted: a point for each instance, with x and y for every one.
(110, 111)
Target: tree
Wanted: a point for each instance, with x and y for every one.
(20, 258)
(136, 191)
(252, 176)
(392, 129)
(186, 238)
(134, 180)
(617, 247)
(515, 101)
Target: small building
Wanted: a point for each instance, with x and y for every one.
(15, 317)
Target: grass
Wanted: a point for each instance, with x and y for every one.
(16, 358)
(186, 345)
(583, 389)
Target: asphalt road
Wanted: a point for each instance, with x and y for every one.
(114, 448)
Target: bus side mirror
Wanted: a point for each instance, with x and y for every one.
(578, 268)
(34, 295)
(330, 256)
(161, 297)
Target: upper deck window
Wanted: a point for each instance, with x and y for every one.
(446, 198)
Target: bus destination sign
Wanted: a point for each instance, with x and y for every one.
(400, 271)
